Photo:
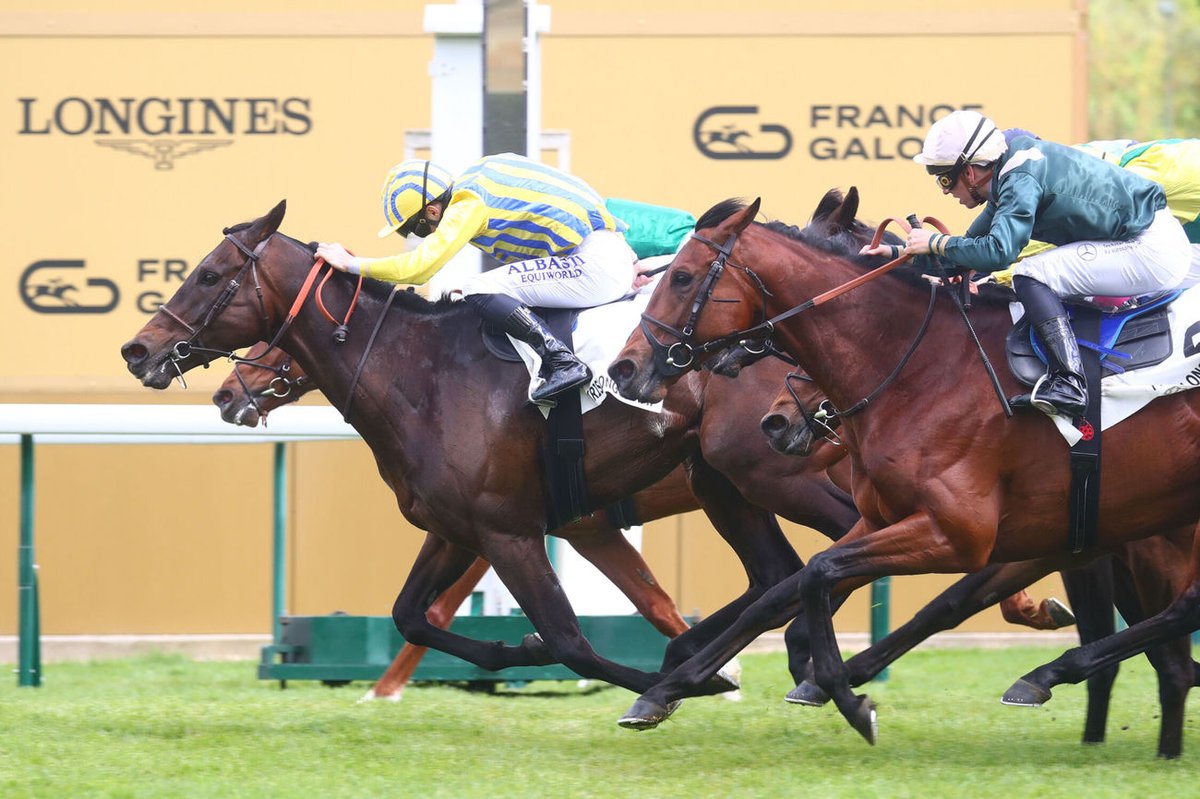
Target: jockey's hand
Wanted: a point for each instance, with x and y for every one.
(884, 250)
(336, 256)
(640, 278)
(918, 241)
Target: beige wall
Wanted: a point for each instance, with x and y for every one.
(161, 539)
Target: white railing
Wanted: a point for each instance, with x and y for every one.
(30, 424)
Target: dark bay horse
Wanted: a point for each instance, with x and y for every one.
(457, 443)
(944, 481)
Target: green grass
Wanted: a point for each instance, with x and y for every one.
(164, 726)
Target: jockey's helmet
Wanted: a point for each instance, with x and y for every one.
(408, 188)
(958, 139)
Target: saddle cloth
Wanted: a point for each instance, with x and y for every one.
(1123, 394)
(599, 336)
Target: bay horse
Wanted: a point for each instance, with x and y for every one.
(1138, 579)
(456, 441)
(945, 482)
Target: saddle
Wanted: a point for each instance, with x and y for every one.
(1129, 338)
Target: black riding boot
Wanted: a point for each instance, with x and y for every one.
(1064, 389)
(561, 370)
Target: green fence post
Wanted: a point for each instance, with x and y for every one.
(29, 667)
(279, 544)
(880, 614)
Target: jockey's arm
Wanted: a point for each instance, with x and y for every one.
(463, 219)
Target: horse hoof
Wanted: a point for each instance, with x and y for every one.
(371, 696)
(646, 715)
(1025, 694)
(1060, 614)
(538, 650)
(721, 682)
(808, 694)
(865, 719)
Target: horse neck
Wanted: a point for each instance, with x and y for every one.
(414, 346)
(852, 342)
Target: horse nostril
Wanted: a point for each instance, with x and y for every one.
(134, 352)
(222, 398)
(622, 370)
(775, 424)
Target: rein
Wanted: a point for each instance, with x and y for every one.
(682, 355)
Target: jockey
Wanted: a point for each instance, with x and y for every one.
(1126, 241)
(558, 246)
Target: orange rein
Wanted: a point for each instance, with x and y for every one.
(882, 270)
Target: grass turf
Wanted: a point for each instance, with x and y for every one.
(165, 726)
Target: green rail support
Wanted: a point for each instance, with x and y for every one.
(881, 600)
(29, 667)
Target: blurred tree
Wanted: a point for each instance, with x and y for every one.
(1144, 69)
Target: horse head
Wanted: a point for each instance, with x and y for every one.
(796, 421)
(265, 379)
(686, 304)
(182, 335)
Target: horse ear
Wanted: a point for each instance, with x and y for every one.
(847, 212)
(275, 216)
(743, 220)
(829, 203)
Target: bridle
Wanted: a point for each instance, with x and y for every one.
(281, 386)
(685, 354)
(183, 350)
(193, 344)
(679, 357)
(821, 423)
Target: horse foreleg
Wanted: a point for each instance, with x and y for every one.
(522, 564)
(438, 565)
(912, 546)
(947, 610)
(693, 677)
(757, 540)
(1049, 614)
(391, 685)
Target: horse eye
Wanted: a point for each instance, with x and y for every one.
(680, 279)
(209, 278)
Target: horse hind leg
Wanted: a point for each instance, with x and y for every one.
(1090, 590)
(390, 686)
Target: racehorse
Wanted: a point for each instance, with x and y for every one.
(455, 439)
(946, 483)
(1139, 578)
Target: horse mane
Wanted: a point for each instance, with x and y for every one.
(846, 243)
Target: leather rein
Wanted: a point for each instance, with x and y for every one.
(686, 354)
